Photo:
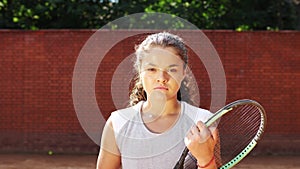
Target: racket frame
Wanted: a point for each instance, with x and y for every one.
(217, 115)
(253, 142)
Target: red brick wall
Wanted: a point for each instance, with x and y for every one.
(36, 106)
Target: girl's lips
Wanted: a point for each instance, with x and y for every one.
(161, 88)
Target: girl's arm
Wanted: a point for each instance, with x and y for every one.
(109, 155)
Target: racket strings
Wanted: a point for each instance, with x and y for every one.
(236, 144)
(236, 130)
(240, 117)
(241, 126)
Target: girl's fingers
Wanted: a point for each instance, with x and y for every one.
(201, 125)
(194, 130)
(199, 133)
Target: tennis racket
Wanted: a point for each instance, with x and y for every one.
(240, 125)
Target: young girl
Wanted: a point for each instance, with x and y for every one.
(153, 132)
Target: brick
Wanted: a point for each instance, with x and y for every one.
(36, 83)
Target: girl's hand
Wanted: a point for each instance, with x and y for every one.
(201, 142)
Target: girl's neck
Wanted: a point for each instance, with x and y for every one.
(160, 120)
(161, 109)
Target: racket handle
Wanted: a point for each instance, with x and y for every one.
(180, 163)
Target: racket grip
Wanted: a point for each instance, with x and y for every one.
(180, 163)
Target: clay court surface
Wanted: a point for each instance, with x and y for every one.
(29, 161)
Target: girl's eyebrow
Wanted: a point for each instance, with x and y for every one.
(151, 64)
(173, 65)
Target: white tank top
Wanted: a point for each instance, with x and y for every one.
(141, 148)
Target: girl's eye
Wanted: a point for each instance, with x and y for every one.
(173, 70)
(151, 69)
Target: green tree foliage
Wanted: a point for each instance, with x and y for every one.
(262, 15)
(41, 14)
(205, 14)
(233, 14)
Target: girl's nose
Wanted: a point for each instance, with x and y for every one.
(162, 76)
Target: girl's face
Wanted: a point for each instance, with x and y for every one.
(162, 70)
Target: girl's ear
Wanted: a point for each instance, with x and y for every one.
(185, 70)
(184, 74)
